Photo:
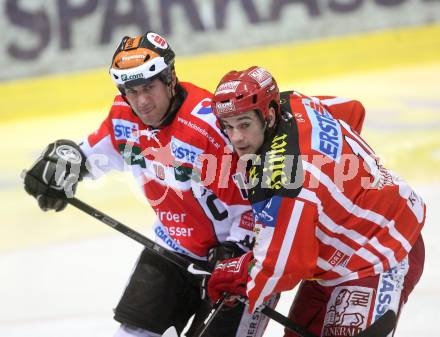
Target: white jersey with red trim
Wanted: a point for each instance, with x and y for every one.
(197, 205)
(342, 216)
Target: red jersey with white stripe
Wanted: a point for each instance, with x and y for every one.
(339, 216)
(197, 204)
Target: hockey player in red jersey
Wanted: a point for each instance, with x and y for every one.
(328, 215)
(165, 133)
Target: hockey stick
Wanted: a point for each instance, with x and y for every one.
(380, 328)
(214, 311)
(131, 233)
(172, 257)
(170, 332)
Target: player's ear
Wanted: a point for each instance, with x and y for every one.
(271, 117)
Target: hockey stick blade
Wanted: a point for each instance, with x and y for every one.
(170, 332)
(381, 327)
(214, 311)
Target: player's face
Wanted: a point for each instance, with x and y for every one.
(150, 101)
(245, 131)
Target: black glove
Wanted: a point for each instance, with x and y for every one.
(225, 250)
(54, 176)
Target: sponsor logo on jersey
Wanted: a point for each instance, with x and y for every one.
(247, 221)
(200, 130)
(338, 258)
(389, 289)
(132, 155)
(203, 112)
(175, 231)
(125, 130)
(266, 212)
(205, 108)
(326, 132)
(275, 163)
(184, 152)
(182, 173)
(347, 311)
(171, 217)
(163, 235)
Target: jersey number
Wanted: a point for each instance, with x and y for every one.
(210, 202)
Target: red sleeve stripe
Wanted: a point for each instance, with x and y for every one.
(355, 136)
(333, 282)
(339, 270)
(385, 251)
(283, 256)
(354, 209)
(372, 258)
(351, 234)
(334, 242)
(362, 252)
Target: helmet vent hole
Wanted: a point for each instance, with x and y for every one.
(254, 99)
(239, 97)
(147, 57)
(153, 67)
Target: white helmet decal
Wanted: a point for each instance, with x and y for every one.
(145, 71)
(157, 40)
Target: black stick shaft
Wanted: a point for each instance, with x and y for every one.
(386, 322)
(283, 320)
(142, 239)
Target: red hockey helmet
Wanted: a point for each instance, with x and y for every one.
(242, 91)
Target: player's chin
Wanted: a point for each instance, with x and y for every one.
(244, 150)
(148, 118)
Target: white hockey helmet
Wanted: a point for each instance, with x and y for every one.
(141, 59)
